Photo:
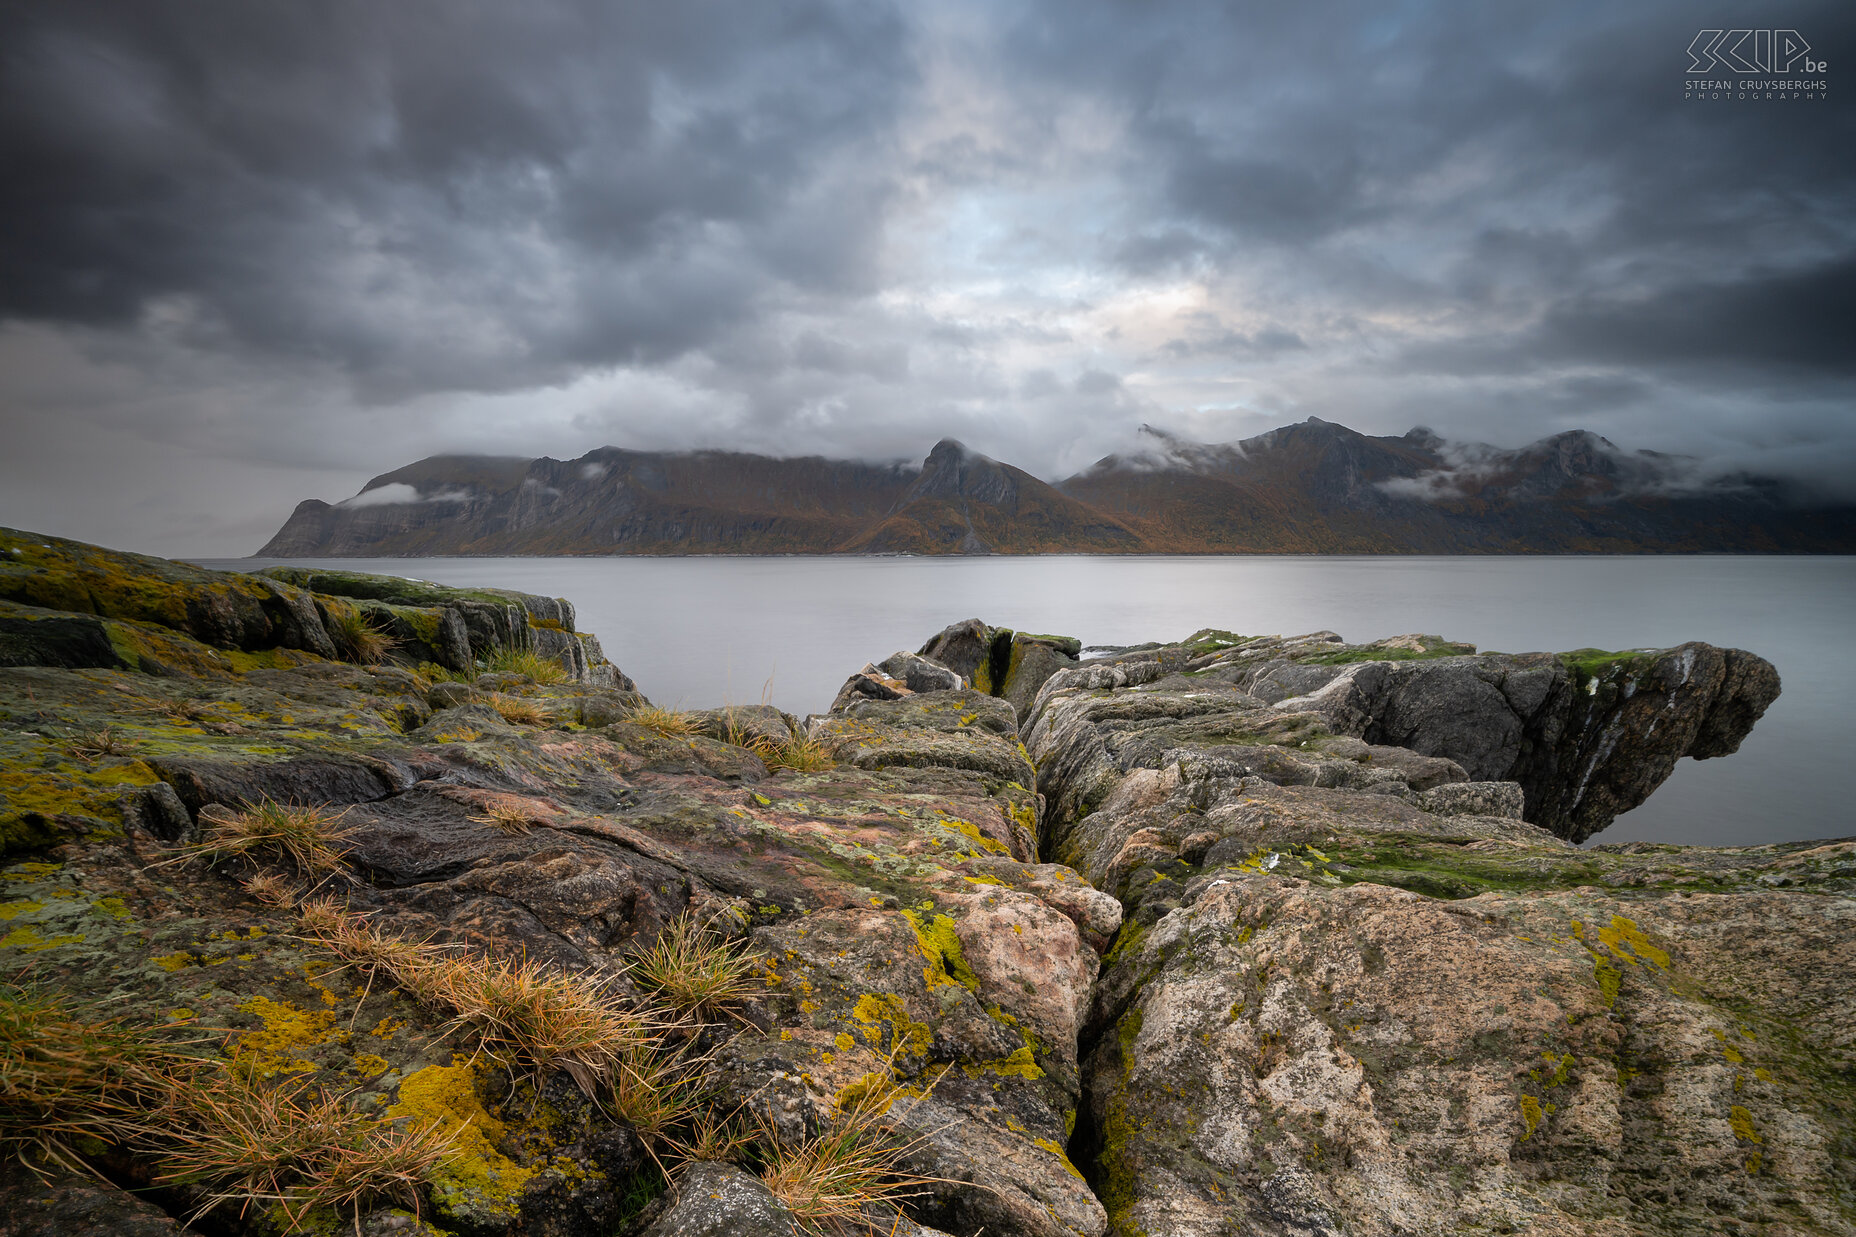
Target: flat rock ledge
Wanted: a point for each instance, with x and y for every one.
(1228, 935)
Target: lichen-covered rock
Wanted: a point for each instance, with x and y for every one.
(1355, 992)
(719, 1200)
(1587, 735)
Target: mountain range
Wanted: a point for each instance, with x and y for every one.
(1311, 488)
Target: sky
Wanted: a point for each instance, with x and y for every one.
(253, 252)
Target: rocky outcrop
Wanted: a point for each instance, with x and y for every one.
(1224, 935)
(1586, 735)
(64, 603)
(1355, 992)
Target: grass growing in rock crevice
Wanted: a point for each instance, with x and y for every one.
(525, 662)
(308, 839)
(355, 637)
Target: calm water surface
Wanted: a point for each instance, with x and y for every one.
(698, 632)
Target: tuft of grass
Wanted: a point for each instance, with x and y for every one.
(695, 969)
(831, 1179)
(69, 1075)
(294, 1146)
(74, 1083)
(271, 889)
(415, 966)
(719, 1139)
(90, 746)
(671, 723)
(310, 839)
(506, 818)
(526, 1016)
(188, 710)
(657, 1093)
(518, 712)
(799, 753)
(526, 662)
(530, 1018)
(356, 638)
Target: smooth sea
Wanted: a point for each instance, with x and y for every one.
(700, 632)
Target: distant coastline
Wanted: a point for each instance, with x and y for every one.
(1314, 488)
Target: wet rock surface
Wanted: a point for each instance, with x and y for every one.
(1229, 935)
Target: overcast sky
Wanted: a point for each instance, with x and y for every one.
(253, 252)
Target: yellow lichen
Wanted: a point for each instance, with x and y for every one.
(1020, 1064)
(1742, 1122)
(1627, 941)
(446, 1095)
(275, 1048)
(940, 945)
(1531, 1114)
(1057, 1151)
(877, 1010)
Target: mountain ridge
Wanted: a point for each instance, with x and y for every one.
(1314, 487)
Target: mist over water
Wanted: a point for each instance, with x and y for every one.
(700, 632)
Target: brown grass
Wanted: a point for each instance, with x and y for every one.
(506, 817)
(187, 709)
(356, 638)
(526, 1016)
(309, 839)
(798, 753)
(695, 969)
(671, 723)
(293, 1146)
(69, 1074)
(830, 1179)
(90, 746)
(518, 712)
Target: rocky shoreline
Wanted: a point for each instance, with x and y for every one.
(1225, 935)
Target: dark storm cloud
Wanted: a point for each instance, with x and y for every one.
(435, 194)
(322, 238)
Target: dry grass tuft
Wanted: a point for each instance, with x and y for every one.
(829, 1179)
(416, 966)
(526, 1016)
(356, 638)
(271, 889)
(526, 662)
(69, 1074)
(90, 746)
(310, 839)
(798, 753)
(293, 1146)
(530, 1018)
(695, 969)
(719, 1139)
(506, 817)
(518, 712)
(671, 723)
(188, 710)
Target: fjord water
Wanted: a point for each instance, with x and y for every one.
(700, 632)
